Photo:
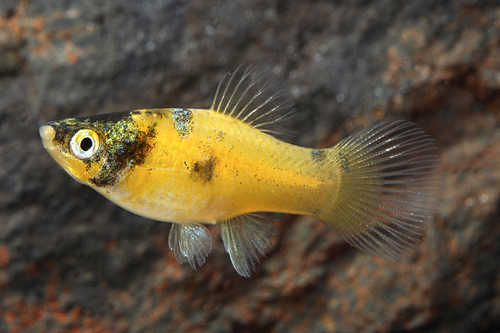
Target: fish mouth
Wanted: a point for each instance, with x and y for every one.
(47, 133)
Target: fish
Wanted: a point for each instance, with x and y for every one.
(377, 189)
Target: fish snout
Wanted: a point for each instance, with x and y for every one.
(47, 133)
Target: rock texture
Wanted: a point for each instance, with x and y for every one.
(71, 261)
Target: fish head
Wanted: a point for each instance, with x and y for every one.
(75, 147)
(97, 150)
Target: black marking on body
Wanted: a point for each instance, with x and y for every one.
(204, 169)
(220, 136)
(318, 155)
(182, 122)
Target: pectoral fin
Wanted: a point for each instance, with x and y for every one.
(191, 243)
(244, 237)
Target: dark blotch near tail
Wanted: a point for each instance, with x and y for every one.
(343, 161)
(318, 155)
(204, 170)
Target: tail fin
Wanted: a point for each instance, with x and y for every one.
(389, 188)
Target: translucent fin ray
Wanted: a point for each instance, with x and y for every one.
(245, 237)
(388, 188)
(191, 243)
(254, 98)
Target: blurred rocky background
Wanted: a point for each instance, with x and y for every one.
(72, 261)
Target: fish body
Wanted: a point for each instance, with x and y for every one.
(377, 189)
(212, 174)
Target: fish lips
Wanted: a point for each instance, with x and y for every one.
(48, 133)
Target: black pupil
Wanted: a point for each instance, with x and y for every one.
(86, 144)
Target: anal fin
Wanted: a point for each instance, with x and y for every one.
(244, 238)
(191, 242)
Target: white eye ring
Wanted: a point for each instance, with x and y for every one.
(85, 144)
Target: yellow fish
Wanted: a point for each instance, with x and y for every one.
(377, 189)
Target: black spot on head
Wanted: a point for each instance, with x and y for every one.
(203, 170)
(105, 118)
(318, 155)
(182, 122)
(122, 154)
(62, 137)
(123, 145)
(65, 129)
(105, 178)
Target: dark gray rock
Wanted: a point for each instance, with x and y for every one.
(70, 259)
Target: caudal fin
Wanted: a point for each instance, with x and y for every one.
(389, 188)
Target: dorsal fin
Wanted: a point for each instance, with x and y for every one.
(253, 97)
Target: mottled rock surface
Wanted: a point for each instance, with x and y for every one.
(70, 260)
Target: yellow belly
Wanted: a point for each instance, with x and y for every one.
(217, 168)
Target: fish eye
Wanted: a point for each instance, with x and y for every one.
(84, 144)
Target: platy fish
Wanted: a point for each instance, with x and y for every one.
(377, 189)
